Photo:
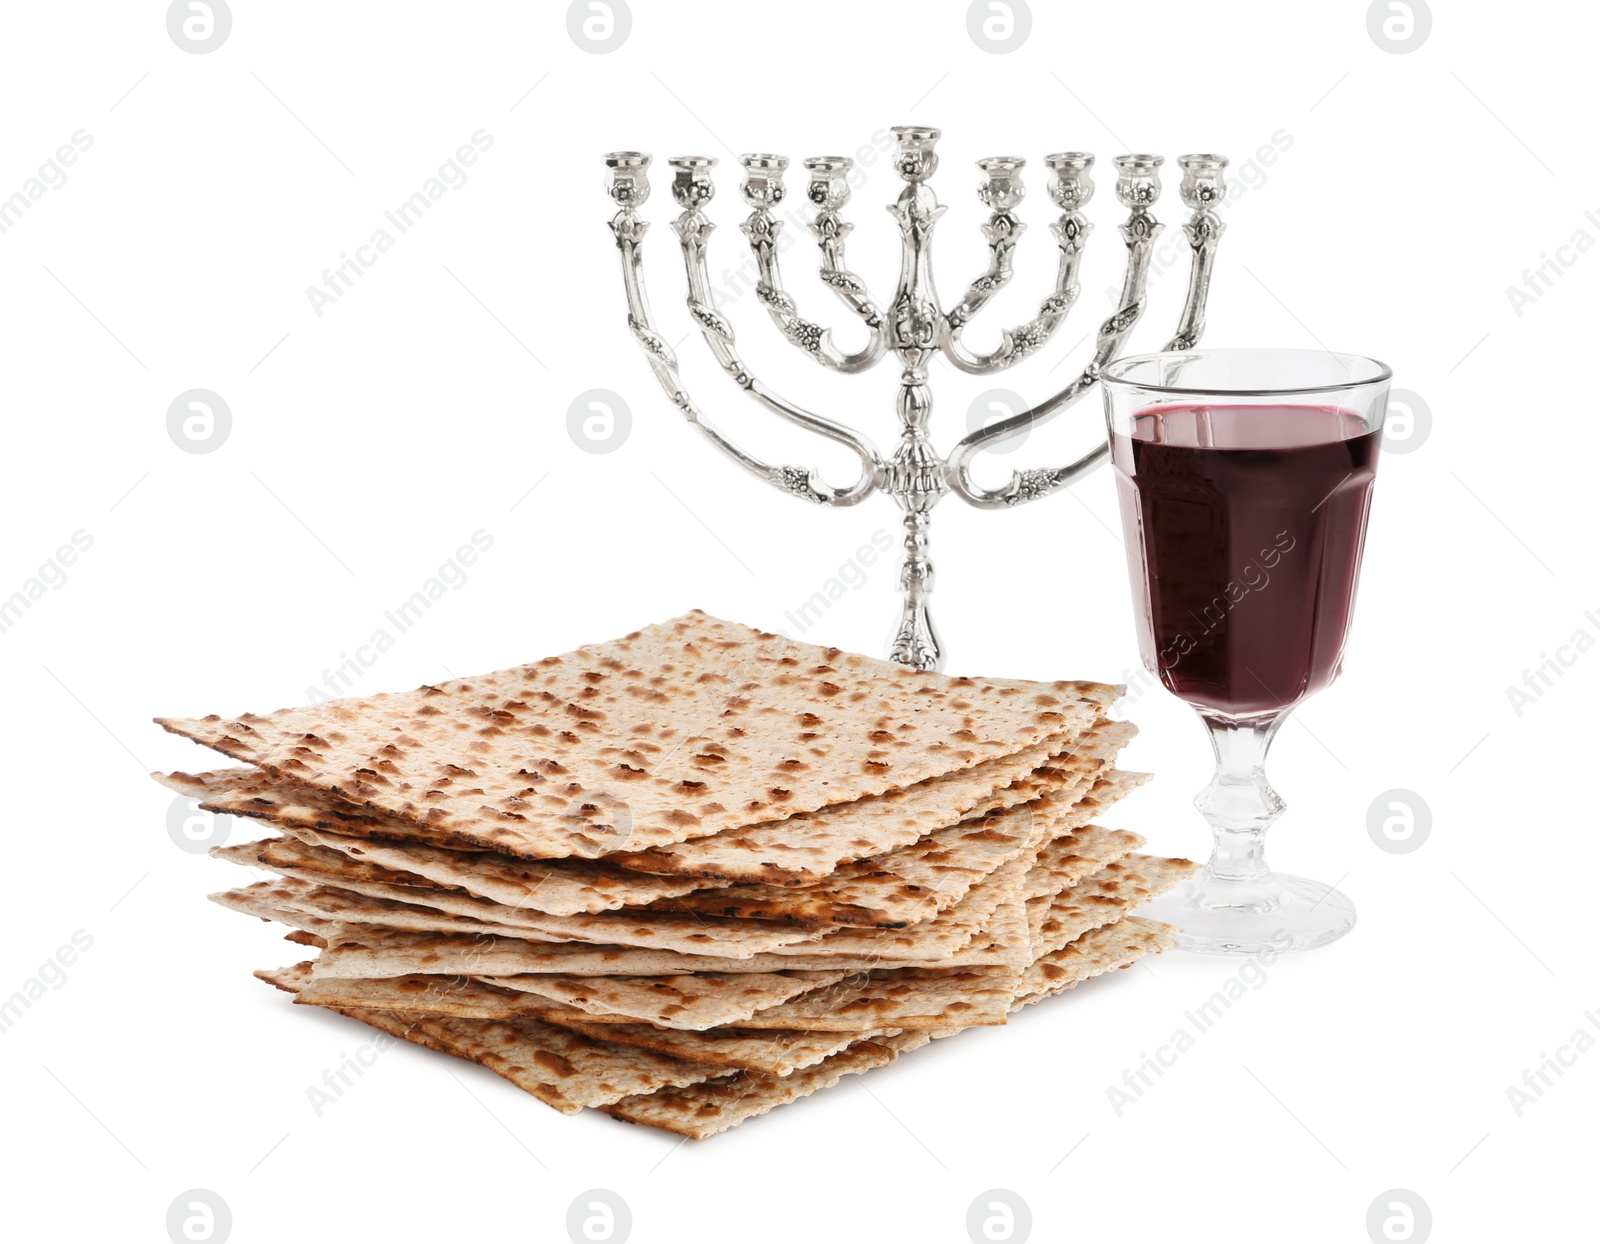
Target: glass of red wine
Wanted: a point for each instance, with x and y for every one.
(1245, 477)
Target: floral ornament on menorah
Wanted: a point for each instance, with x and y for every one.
(914, 327)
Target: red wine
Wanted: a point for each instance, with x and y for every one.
(1245, 526)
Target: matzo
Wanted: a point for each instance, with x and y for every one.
(655, 930)
(289, 805)
(377, 952)
(777, 1053)
(1099, 950)
(1100, 899)
(805, 849)
(711, 1106)
(904, 886)
(677, 731)
(705, 1000)
(562, 1068)
(560, 887)
(802, 849)
(453, 996)
(716, 1105)
(901, 998)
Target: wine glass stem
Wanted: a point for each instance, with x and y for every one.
(1239, 804)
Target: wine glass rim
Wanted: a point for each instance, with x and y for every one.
(1363, 371)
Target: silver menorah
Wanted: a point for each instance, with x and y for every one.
(914, 327)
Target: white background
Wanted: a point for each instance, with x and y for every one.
(367, 443)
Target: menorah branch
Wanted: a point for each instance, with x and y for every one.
(1002, 192)
(1202, 192)
(763, 192)
(1138, 187)
(692, 187)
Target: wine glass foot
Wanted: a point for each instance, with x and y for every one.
(1275, 912)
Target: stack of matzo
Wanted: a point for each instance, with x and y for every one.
(691, 874)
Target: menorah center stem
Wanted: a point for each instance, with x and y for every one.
(916, 571)
(915, 477)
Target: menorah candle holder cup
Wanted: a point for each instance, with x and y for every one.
(914, 326)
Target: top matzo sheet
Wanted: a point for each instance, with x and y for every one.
(680, 730)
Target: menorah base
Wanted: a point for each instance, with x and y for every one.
(915, 642)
